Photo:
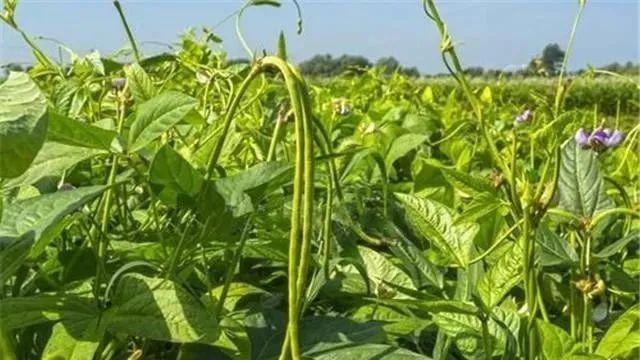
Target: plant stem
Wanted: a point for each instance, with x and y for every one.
(528, 246)
(560, 91)
(132, 41)
(486, 339)
(103, 243)
(231, 269)
(271, 155)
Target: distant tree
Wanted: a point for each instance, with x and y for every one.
(552, 57)
(474, 71)
(411, 72)
(390, 64)
(326, 65)
(548, 63)
(353, 63)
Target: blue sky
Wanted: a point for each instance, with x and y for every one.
(503, 34)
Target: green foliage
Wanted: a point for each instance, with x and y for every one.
(580, 185)
(189, 206)
(23, 124)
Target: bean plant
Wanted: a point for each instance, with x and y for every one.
(187, 206)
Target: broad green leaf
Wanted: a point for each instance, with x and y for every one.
(233, 342)
(466, 330)
(20, 312)
(236, 292)
(23, 124)
(318, 335)
(618, 245)
(34, 216)
(427, 95)
(161, 310)
(140, 83)
(239, 190)
(486, 96)
(435, 222)
(553, 249)
(580, 184)
(158, 115)
(12, 256)
(397, 323)
(68, 131)
(501, 277)
(623, 336)
(420, 268)
(380, 269)
(555, 343)
(445, 306)
(401, 146)
(73, 340)
(53, 160)
(7, 345)
(480, 206)
(172, 177)
(368, 351)
(467, 183)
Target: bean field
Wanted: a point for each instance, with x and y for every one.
(186, 206)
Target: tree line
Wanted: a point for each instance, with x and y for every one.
(547, 63)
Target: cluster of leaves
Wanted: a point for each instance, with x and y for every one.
(117, 240)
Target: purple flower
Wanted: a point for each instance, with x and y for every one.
(599, 139)
(614, 139)
(524, 117)
(582, 138)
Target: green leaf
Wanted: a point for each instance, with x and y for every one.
(161, 310)
(12, 256)
(239, 190)
(34, 216)
(501, 277)
(158, 115)
(555, 342)
(380, 270)
(427, 95)
(623, 336)
(401, 146)
(420, 268)
(20, 312)
(53, 160)
(140, 84)
(468, 184)
(318, 335)
(237, 291)
(445, 306)
(553, 249)
(172, 177)
(467, 330)
(580, 184)
(435, 222)
(617, 246)
(73, 340)
(23, 124)
(367, 351)
(72, 132)
(486, 96)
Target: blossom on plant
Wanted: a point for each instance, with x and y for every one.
(524, 117)
(341, 107)
(118, 83)
(599, 138)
